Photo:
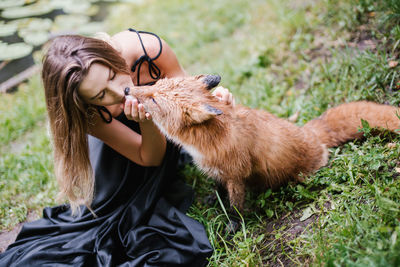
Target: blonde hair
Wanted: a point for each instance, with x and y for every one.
(65, 65)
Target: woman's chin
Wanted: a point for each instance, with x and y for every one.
(116, 109)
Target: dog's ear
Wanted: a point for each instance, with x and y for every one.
(210, 81)
(203, 113)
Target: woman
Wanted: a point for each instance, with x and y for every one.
(122, 175)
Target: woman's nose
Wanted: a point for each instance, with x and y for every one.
(117, 91)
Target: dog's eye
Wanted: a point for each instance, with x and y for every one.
(154, 100)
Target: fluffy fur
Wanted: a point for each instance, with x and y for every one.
(239, 146)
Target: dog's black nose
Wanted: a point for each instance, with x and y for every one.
(211, 81)
(127, 90)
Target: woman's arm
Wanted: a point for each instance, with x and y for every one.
(153, 141)
(147, 149)
(168, 62)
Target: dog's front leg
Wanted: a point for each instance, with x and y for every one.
(236, 193)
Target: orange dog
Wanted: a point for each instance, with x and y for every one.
(239, 146)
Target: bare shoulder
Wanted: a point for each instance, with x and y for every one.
(127, 45)
(130, 44)
(131, 49)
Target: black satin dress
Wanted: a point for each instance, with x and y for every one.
(141, 219)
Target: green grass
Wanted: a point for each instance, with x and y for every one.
(284, 57)
(21, 111)
(27, 181)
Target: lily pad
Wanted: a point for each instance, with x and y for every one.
(35, 38)
(69, 23)
(36, 9)
(7, 29)
(92, 10)
(11, 3)
(14, 51)
(132, 1)
(33, 24)
(76, 7)
(59, 4)
(91, 28)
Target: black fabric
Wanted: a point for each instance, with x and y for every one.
(141, 220)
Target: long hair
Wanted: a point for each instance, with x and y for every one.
(65, 65)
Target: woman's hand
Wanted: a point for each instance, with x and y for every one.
(224, 95)
(135, 111)
(151, 145)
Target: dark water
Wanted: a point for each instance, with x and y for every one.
(16, 66)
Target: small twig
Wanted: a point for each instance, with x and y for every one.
(17, 79)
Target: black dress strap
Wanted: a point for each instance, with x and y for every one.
(100, 110)
(154, 71)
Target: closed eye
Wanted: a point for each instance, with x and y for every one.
(103, 93)
(154, 101)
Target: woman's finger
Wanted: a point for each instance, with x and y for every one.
(142, 113)
(128, 108)
(134, 110)
(217, 93)
(229, 100)
(225, 96)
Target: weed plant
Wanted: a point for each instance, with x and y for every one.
(287, 57)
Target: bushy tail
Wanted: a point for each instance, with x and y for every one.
(340, 124)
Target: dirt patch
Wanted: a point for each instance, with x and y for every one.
(280, 233)
(8, 237)
(362, 39)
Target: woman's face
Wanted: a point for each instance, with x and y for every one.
(103, 87)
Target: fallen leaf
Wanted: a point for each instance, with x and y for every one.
(393, 63)
(307, 213)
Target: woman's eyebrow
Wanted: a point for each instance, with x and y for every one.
(94, 97)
